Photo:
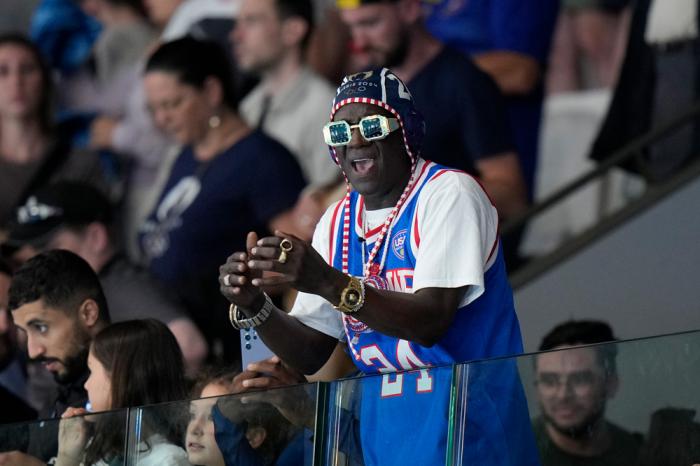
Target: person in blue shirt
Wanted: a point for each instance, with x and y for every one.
(407, 273)
(510, 40)
(214, 193)
(64, 33)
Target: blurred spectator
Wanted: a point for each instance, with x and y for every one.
(123, 42)
(130, 130)
(64, 33)
(57, 302)
(588, 36)
(328, 45)
(291, 101)
(213, 196)
(658, 82)
(463, 109)
(32, 151)
(573, 387)
(78, 218)
(509, 40)
(15, 409)
(132, 363)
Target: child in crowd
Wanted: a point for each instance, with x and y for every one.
(253, 433)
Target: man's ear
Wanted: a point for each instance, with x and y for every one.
(410, 11)
(89, 313)
(293, 31)
(96, 238)
(256, 436)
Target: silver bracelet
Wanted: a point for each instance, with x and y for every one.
(238, 320)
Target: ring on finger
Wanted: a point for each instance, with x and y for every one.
(227, 280)
(285, 247)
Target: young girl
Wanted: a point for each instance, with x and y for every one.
(132, 363)
(253, 434)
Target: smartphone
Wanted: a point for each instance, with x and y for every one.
(252, 348)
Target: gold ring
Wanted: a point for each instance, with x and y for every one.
(286, 245)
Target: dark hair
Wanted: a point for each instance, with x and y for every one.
(62, 279)
(584, 332)
(212, 375)
(145, 367)
(303, 9)
(45, 111)
(279, 431)
(192, 61)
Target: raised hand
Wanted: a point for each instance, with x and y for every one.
(296, 262)
(72, 437)
(236, 277)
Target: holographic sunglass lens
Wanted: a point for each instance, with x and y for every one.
(339, 132)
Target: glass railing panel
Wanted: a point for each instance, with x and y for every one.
(635, 402)
(392, 419)
(86, 439)
(275, 426)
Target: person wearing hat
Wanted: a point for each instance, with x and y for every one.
(406, 272)
(76, 217)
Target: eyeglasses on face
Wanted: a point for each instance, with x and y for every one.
(579, 382)
(372, 128)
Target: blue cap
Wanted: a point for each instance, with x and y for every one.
(381, 87)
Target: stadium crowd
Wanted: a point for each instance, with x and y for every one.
(142, 141)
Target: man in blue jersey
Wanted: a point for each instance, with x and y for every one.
(407, 272)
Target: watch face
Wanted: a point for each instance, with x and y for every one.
(352, 297)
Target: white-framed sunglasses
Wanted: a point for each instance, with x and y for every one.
(372, 128)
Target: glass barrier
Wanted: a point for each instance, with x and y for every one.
(275, 426)
(634, 403)
(391, 419)
(86, 439)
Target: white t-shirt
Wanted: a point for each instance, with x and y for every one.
(458, 228)
(158, 452)
(192, 11)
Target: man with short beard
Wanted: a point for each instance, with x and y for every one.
(573, 387)
(464, 111)
(56, 300)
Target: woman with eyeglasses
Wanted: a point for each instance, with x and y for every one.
(228, 179)
(32, 152)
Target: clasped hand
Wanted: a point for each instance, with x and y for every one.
(242, 277)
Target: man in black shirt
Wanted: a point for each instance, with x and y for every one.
(573, 387)
(466, 123)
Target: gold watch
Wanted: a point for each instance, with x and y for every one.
(353, 296)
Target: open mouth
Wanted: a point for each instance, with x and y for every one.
(363, 166)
